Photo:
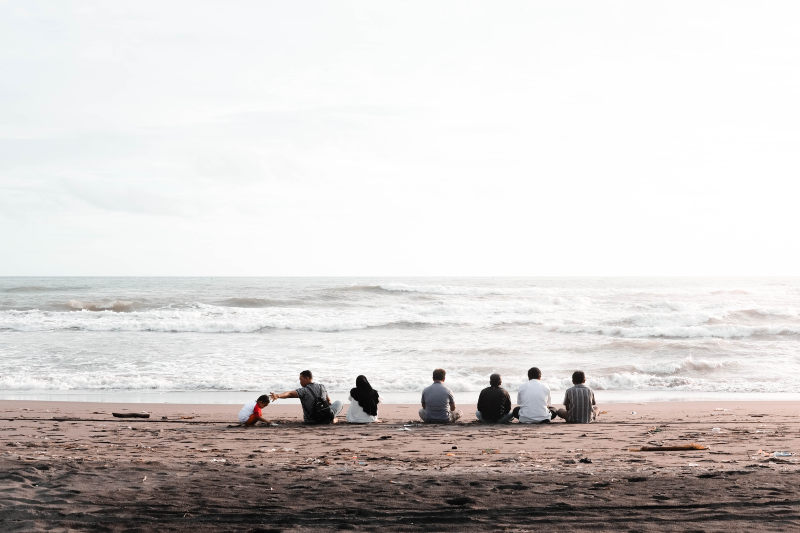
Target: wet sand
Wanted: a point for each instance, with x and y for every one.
(73, 466)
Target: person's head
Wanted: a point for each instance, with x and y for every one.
(263, 401)
(362, 383)
(438, 374)
(534, 373)
(578, 377)
(495, 380)
(305, 377)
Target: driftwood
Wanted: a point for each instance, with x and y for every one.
(678, 448)
(131, 415)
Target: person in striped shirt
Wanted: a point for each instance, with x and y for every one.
(579, 404)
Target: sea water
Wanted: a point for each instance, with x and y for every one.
(224, 340)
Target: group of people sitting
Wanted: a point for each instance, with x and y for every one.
(438, 404)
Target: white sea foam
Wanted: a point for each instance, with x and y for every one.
(195, 334)
(685, 332)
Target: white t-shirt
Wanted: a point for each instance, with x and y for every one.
(533, 399)
(247, 410)
(357, 415)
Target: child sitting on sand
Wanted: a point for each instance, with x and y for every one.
(251, 411)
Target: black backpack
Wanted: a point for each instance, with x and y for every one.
(320, 412)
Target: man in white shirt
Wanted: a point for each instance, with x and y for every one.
(534, 400)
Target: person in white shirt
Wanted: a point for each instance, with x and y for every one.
(363, 403)
(534, 400)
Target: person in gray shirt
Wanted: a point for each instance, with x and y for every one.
(308, 393)
(438, 405)
(579, 404)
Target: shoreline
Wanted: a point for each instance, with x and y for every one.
(390, 413)
(72, 465)
(395, 398)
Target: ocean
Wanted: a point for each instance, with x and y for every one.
(225, 340)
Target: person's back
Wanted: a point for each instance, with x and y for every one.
(308, 395)
(579, 404)
(363, 402)
(534, 399)
(246, 411)
(438, 404)
(251, 412)
(494, 403)
(436, 397)
(357, 415)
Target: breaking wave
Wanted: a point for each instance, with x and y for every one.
(683, 332)
(257, 302)
(627, 335)
(117, 306)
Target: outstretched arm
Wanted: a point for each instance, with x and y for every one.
(287, 394)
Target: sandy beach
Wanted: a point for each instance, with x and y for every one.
(74, 466)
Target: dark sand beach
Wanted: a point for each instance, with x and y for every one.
(74, 467)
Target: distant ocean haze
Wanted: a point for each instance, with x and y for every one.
(227, 338)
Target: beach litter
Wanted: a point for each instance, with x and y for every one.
(675, 448)
(131, 415)
(782, 454)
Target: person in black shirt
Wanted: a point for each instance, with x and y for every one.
(494, 403)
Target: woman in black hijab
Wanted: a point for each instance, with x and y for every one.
(363, 403)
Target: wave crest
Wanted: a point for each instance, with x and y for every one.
(117, 306)
(711, 331)
(22, 289)
(255, 302)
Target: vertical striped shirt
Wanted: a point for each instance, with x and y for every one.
(578, 401)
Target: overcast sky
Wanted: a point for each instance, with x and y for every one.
(399, 138)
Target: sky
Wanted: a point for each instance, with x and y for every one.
(261, 138)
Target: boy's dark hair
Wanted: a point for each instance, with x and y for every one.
(578, 377)
(307, 374)
(495, 380)
(263, 398)
(438, 374)
(534, 373)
